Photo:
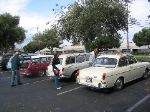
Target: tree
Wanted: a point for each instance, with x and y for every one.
(49, 38)
(95, 24)
(142, 37)
(31, 47)
(10, 32)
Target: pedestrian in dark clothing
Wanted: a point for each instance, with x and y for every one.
(15, 64)
(56, 70)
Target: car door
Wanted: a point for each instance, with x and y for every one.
(124, 69)
(86, 63)
(35, 66)
(44, 63)
(136, 69)
(70, 65)
(80, 61)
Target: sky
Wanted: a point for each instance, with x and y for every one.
(34, 14)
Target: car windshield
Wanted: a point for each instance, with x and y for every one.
(105, 62)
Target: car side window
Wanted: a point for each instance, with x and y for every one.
(87, 57)
(123, 62)
(43, 59)
(70, 60)
(80, 59)
(35, 60)
(131, 60)
(49, 59)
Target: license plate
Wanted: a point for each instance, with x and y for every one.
(89, 80)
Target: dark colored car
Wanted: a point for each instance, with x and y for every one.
(4, 60)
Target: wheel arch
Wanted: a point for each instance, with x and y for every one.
(121, 77)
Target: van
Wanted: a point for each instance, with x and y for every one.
(35, 65)
(70, 64)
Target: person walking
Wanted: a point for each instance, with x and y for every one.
(92, 57)
(56, 70)
(15, 64)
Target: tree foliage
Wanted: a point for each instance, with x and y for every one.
(142, 37)
(97, 23)
(10, 32)
(49, 38)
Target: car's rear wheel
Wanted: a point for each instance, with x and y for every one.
(42, 73)
(73, 76)
(145, 74)
(119, 84)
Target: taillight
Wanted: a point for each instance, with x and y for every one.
(104, 76)
(77, 72)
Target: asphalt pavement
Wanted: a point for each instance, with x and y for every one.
(38, 94)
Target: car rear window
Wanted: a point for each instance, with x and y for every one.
(105, 62)
(70, 60)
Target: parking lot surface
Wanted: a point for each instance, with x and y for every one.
(38, 94)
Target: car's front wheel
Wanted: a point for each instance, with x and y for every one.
(145, 74)
(73, 76)
(42, 73)
(119, 84)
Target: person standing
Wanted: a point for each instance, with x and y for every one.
(56, 70)
(15, 64)
(92, 57)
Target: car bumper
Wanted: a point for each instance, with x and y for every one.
(99, 85)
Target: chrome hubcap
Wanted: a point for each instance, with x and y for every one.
(119, 84)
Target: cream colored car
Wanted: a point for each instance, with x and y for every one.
(113, 70)
(69, 64)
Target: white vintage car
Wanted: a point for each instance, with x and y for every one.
(69, 65)
(113, 70)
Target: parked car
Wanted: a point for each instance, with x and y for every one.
(5, 59)
(35, 65)
(69, 64)
(113, 70)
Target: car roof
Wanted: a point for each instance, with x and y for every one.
(38, 56)
(45, 55)
(117, 56)
(73, 54)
